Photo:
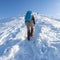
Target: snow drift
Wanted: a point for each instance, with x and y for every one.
(45, 45)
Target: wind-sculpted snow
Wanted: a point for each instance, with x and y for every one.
(45, 44)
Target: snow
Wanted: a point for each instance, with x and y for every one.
(44, 45)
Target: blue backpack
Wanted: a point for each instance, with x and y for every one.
(28, 16)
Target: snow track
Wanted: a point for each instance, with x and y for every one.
(45, 44)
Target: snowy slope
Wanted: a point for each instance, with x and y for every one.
(45, 45)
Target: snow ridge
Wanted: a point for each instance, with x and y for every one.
(45, 45)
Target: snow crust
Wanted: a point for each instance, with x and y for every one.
(45, 44)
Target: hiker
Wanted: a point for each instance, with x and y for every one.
(30, 23)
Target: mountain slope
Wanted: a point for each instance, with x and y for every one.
(45, 45)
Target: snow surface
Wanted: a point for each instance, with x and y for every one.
(45, 45)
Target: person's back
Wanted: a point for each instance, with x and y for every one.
(30, 22)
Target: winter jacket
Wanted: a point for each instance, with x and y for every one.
(33, 19)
